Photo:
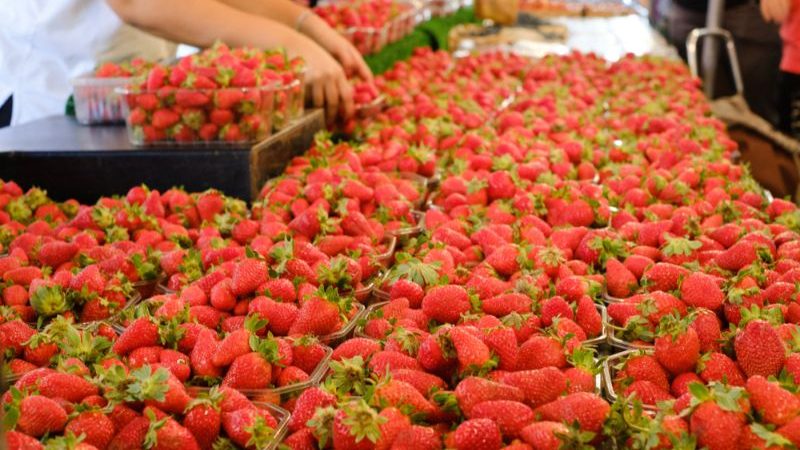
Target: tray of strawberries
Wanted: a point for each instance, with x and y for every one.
(370, 24)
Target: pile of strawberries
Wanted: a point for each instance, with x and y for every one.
(219, 94)
(508, 255)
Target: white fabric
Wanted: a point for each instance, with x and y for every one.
(46, 43)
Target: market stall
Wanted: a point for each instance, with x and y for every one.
(514, 246)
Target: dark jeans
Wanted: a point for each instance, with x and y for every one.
(789, 104)
(5, 112)
(758, 47)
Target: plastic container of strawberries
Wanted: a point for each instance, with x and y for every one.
(97, 100)
(155, 118)
(283, 392)
(610, 372)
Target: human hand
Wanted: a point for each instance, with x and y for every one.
(326, 82)
(339, 47)
(775, 10)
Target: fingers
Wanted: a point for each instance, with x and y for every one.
(361, 68)
(765, 13)
(346, 93)
(783, 10)
(331, 99)
(318, 95)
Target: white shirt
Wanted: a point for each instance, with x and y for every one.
(46, 43)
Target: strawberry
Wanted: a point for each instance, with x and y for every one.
(395, 423)
(478, 434)
(142, 332)
(714, 427)
(72, 388)
(202, 354)
(716, 366)
(589, 410)
(620, 282)
(95, 427)
(545, 435)
(164, 118)
(759, 349)
(318, 317)
(555, 307)
(248, 275)
(356, 426)
(204, 421)
(702, 291)
(169, 435)
(446, 304)
(131, 436)
(21, 441)
(249, 371)
(417, 437)
(39, 415)
(677, 346)
(774, 404)
(538, 386)
(509, 415)
(249, 427)
(309, 401)
(539, 352)
(473, 355)
(473, 390)
(647, 392)
(350, 348)
(502, 341)
(55, 253)
(504, 259)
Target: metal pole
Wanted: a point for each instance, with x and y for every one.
(716, 9)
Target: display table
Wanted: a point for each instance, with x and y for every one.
(76, 161)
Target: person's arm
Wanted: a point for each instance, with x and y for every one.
(292, 15)
(202, 22)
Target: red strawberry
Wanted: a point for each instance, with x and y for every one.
(620, 282)
(539, 352)
(538, 386)
(307, 405)
(446, 304)
(774, 404)
(647, 392)
(545, 435)
(249, 371)
(249, 427)
(716, 366)
(589, 410)
(39, 415)
(356, 427)
(248, 275)
(55, 253)
(478, 434)
(131, 436)
(504, 259)
(714, 427)
(142, 332)
(677, 346)
(318, 317)
(72, 388)
(759, 349)
(97, 429)
(473, 390)
(509, 415)
(164, 118)
(473, 355)
(204, 421)
(395, 423)
(417, 437)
